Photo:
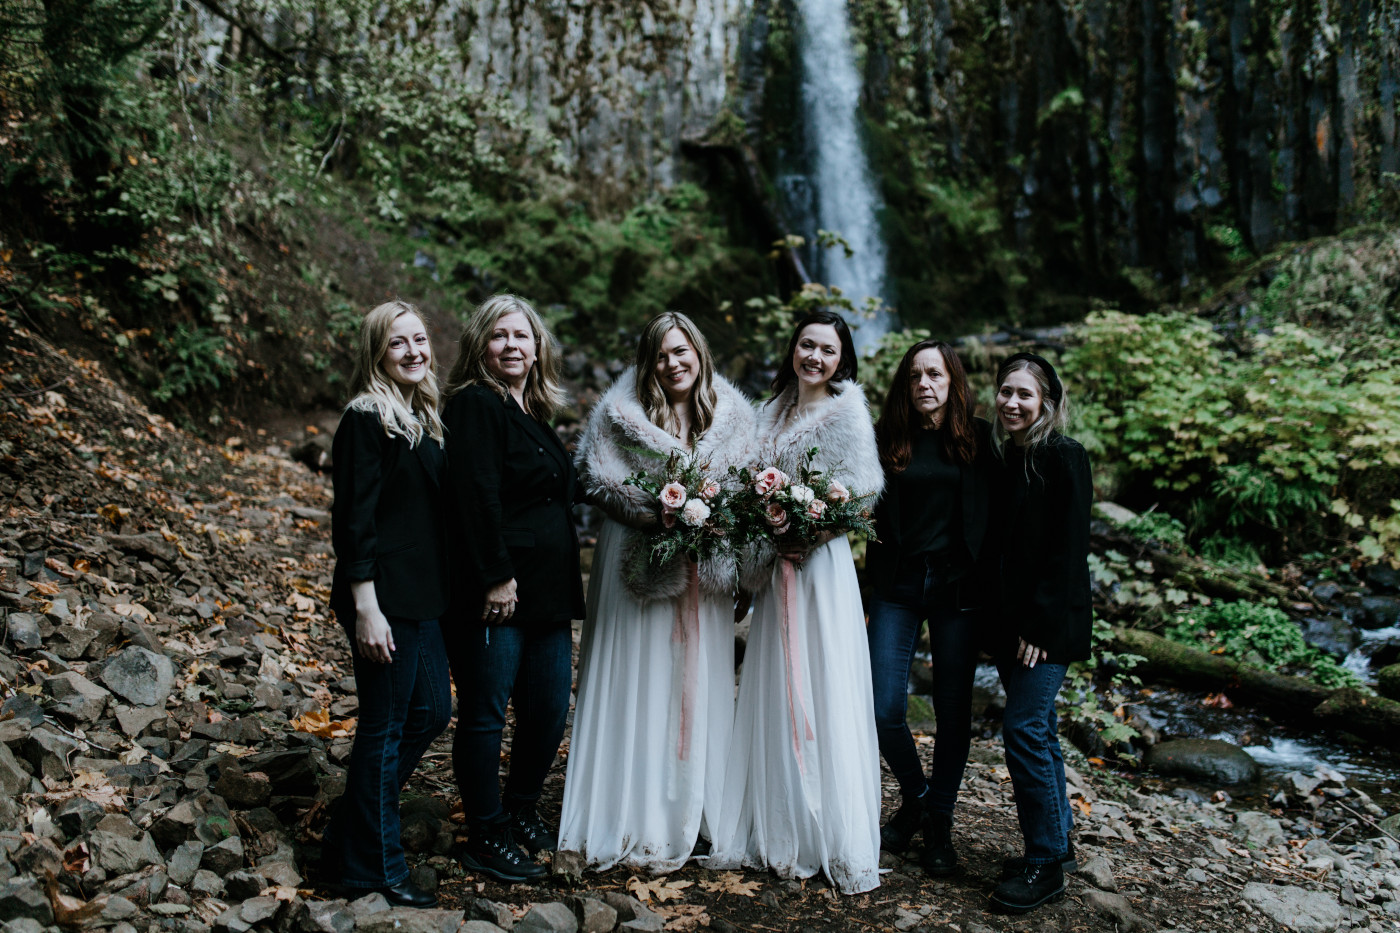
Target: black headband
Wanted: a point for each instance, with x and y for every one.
(1056, 392)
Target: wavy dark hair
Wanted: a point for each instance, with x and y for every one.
(846, 369)
(898, 418)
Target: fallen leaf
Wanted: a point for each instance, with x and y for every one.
(134, 609)
(731, 882)
(659, 888)
(45, 587)
(318, 722)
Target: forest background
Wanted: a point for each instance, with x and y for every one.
(1192, 206)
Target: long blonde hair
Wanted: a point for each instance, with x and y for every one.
(371, 389)
(543, 394)
(649, 392)
(1054, 406)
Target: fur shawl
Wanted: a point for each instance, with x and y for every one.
(841, 427)
(619, 422)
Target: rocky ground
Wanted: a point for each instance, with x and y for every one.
(176, 709)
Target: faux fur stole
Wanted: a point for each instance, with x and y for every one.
(607, 456)
(840, 426)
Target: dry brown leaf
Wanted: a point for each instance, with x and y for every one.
(731, 882)
(45, 587)
(658, 888)
(318, 723)
(134, 609)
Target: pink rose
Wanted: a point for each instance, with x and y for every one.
(838, 493)
(815, 508)
(672, 496)
(777, 518)
(710, 490)
(769, 481)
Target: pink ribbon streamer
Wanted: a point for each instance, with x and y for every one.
(687, 631)
(797, 703)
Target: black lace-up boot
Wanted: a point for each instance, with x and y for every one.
(898, 834)
(938, 857)
(1032, 886)
(531, 832)
(492, 851)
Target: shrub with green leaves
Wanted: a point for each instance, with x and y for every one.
(1260, 635)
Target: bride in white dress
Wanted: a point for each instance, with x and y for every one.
(802, 786)
(655, 699)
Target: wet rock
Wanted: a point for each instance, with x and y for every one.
(1259, 830)
(1210, 761)
(1377, 612)
(1384, 578)
(593, 915)
(25, 898)
(1388, 681)
(548, 918)
(409, 920)
(1296, 908)
(1331, 634)
(23, 631)
(139, 676)
(76, 697)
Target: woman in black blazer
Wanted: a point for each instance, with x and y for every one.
(517, 581)
(1042, 504)
(389, 590)
(932, 523)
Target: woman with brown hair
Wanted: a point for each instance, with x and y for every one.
(516, 575)
(655, 684)
(932, 523)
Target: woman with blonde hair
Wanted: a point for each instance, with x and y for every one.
(516, 573)
(389, 591)
(656, 685)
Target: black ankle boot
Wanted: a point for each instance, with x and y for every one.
(1032, 886)
(939, 858)
(531, 832)
(492, 851)
(1014, 866)
(898, 834)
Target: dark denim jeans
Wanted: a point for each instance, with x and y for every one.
(893, 633)
(404, 705)
(1031, 732)
(529, 666)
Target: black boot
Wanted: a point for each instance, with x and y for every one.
(898, 834)
(1014, 866)
(1032, 886)
(939, 858)
(492, 851)
(531, 832)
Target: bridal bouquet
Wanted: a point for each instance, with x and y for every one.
(696, 517)
(797, 509)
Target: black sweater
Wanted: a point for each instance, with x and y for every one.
(1042, 519)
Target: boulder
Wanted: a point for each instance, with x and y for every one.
(1296, 908)
(77, 697)
(140, 676)
(1388, 681)
(1331, 634)
(1379, 612)
(1210, 761)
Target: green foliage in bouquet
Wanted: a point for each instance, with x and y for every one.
(795, 510)
(695, 517)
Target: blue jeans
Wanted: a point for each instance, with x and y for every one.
(1031, 732)
(893, 633)
(529, 666)
(404, 705)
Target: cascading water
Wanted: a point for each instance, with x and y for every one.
(837, 192)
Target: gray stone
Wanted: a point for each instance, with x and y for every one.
(1210, 761)
(1296, 908)
(650, 924)
(23, 629)
(1390, 825)
(1259, 830)
(134, 721)
(1117, 909)
(50, 752)
(257, 909)
(1113, 513)
(425, 877)
(905, 920)
(1198, 876)
(184, 862)
(479, 908)
(627, 906)
(367, 905)
(1379, 612)
(548, 918)
(242, 885)
(14, 779)
(327, 917)
(120, 854)
(1332, 634)
(119, 908)
(208, 884)
(25, 925)
(224, 857)
(25, 897)
(140, 675)
(593, 915)
(410, 920)
(77, 816)
(77, 697)
(243, 790)
(1383, 577)
(1098, 872)
(479, 926)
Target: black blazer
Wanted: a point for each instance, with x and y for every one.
(512, 488)
(1043, 529)
(387, 521)
(882, 557)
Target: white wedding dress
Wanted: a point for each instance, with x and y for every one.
(802, 784)
(652, 722)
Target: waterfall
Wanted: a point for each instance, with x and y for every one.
(841, 191)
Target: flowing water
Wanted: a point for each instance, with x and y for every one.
(837, 191)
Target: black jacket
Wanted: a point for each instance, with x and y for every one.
(882, 557)
(512, 489)
(1042, 518)
(387, 520)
